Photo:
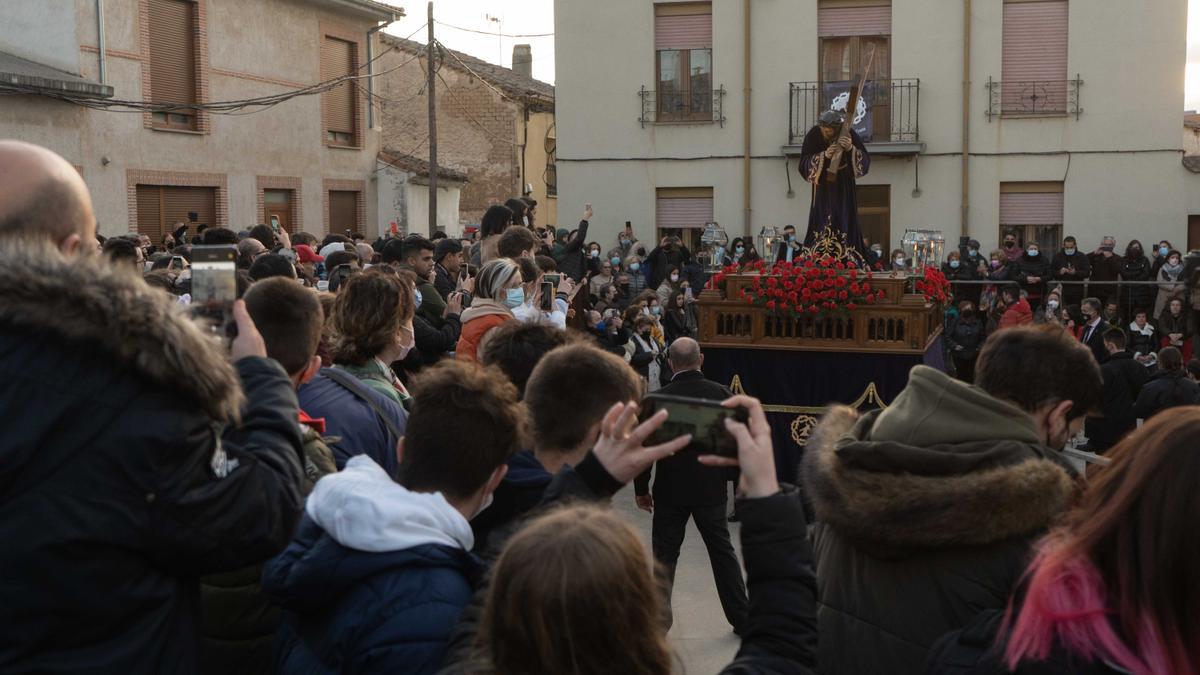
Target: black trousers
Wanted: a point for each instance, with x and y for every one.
(669, 525)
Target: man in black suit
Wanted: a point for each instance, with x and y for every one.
(1094, 328)
(685, 488)
(789, 248)
(1123, 381)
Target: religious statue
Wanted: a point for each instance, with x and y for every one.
(832, 157)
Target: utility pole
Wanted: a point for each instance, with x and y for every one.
(431, 51)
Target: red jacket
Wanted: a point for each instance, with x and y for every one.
(1017, 314)
(479, 319)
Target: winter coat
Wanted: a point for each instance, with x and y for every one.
(1123, 381)
(965, 333)
(374, 579)
(443, 281)
(611, 341)
(364, 421)
(568, 253)
(1017, 314)
(645, 354)
(1170, 284)
(432, 344)
(1082, 269)
(1025, 267)
(1165, 390)
(123, 474)
(1140, 296)
(923, 521)
(679, 324)
(477, 321)
(517, 494)
(1142, 341)
(1169, 323)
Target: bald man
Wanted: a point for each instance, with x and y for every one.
(43, 197)
(135, 455)
(684, 488)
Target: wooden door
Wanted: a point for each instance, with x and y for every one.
(1193, 243)
(343, 212)
(277, 207)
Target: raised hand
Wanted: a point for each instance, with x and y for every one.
(619, 447)
(756, 453)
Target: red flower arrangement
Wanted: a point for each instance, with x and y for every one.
(815, 286)
(934, 286)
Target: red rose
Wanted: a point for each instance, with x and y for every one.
(853, 273)
(841, 266)
(842, 295)
(840, 282)
(855, 288)
(806, 293)
(770, 304)
(851, 306)
(870, 299)
(830, 273)
(749, 300)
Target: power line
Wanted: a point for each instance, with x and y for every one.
(477, 75)
(471, 117)
(484, 32)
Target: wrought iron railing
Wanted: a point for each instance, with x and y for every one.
(696, 107)
(1033, 98)
(889, 112)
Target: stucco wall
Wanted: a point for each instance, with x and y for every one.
(1119, 161)
(405, 201)
(255, 49)
(535, 163)
(43, 31)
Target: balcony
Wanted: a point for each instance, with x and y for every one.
(1033, 98)
(697, 107)
(887, 120)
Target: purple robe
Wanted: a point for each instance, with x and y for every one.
(833, 202)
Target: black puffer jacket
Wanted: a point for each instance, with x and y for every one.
(1025, 267)
(1165, 390)
(965, 333)
(922, 521)
(117, 486)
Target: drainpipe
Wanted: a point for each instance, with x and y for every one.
(370, 71)
(100, 41)
(746, 212)
(966, 120)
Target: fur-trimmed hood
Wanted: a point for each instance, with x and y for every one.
(87, 302)
(946, 465)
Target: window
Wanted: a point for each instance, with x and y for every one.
(339, 105)
(848, 32)
(875, 213)
(1033, 212)
(159, 207)
(173, 61)
(1034, 58)
(683, 212)
(683, 61)
(343, 211)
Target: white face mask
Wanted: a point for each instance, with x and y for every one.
(674, 277)
(900, 261)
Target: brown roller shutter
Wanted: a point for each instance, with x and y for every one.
(343, 211)
(337, 60)
(1034, 56)
(149, 212)
(180, 202)
(173, 51)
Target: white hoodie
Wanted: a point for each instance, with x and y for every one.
(362, 508)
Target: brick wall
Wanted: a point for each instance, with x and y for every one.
(476, 128)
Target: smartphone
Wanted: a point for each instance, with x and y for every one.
(275, 224)
(687, 294)
(547, 297)
(178, 262)
(703, 419)
(214, 286)
(552, 278)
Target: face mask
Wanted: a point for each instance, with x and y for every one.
(1009, 244)
(1163, 250)
(1135, 250)
(601, 326)
(1033, 252)
(615, 261)
(674, 277)
(655, 311)
(973, 251)
(791, 237)
(419, 298)
(900, 262)
(525, 222)
(995, 264)
(953, 264)
(514, 298)
(877, 249)
(1052, 304)
(968, 312)
(633, 267)
(623, 242)
(1069, 251)
(740, 249)
(595, 254)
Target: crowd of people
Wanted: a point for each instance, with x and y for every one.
(402, 460)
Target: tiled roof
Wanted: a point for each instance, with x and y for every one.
(25, 74)
(512, 83)
(1191, 121)
(1192, 164)
(418, 166)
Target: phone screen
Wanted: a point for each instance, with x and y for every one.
(552, 279)
(214, 285)
(547, 297)
(701, 418)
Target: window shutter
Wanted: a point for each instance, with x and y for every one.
(835, 20)
(673, 212)
(683, 26)
(178, 202)
(1031, 208)
(337, 60)
(343, 211)
(149, 212)
(1035, 41)
(172, 51)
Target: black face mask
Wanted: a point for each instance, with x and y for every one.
(1009, 244)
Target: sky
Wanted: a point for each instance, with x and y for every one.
(537, 17)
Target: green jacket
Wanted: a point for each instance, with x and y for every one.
(376, 376)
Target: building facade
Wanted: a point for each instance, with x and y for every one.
(307, 162)
(1067, 121)
(494, 124)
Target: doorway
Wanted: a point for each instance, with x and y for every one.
(277, 208)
